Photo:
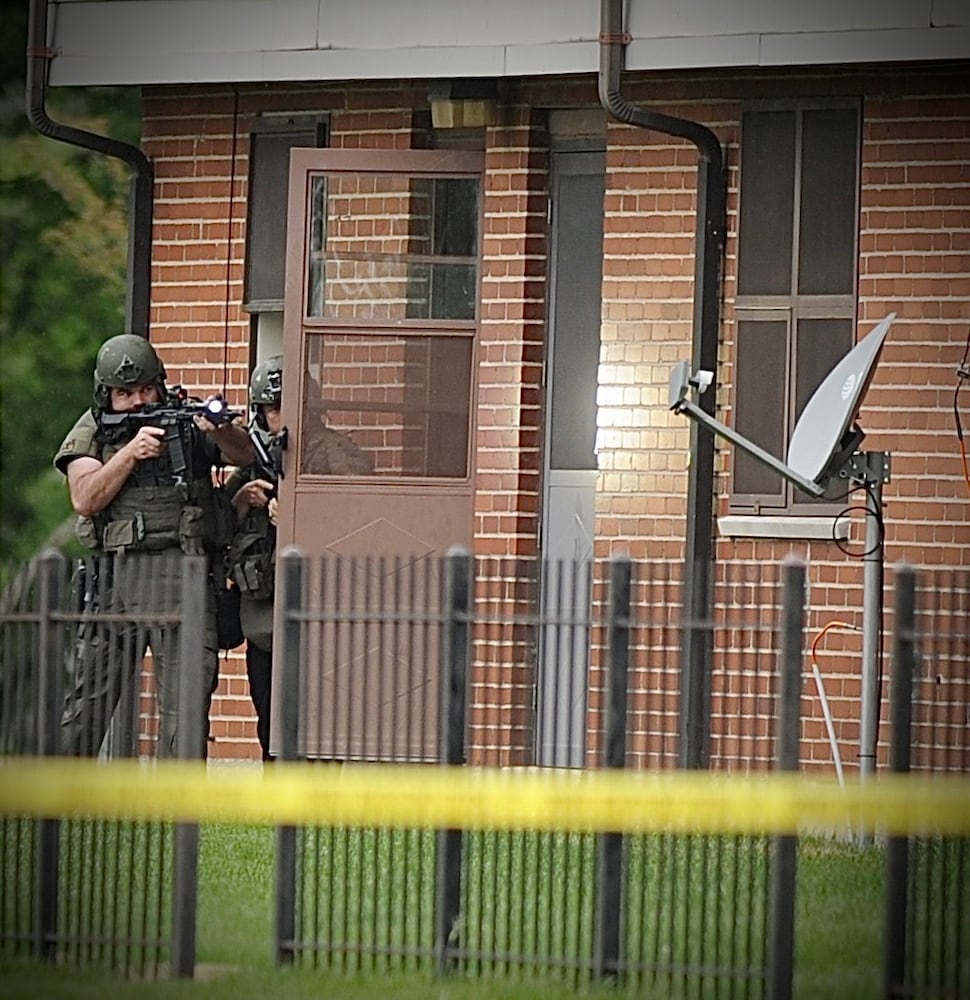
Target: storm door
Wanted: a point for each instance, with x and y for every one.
(569, 492)
(380, 334)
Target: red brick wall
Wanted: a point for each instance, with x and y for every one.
(914, 260)
(196, 322)
(509, 415)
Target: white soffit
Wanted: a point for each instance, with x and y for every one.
(204, 41)
(895, 45)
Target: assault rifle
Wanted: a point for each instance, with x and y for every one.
(268, 460)
(172, 416)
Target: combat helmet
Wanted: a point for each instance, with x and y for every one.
(124, 362)
(266, 387)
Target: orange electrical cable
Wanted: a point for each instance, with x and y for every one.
(836, 624)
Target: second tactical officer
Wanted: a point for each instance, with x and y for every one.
(252, 555)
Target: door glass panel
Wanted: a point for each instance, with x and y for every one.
(387, 405)
(386, 247)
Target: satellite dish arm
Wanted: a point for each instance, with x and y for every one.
(680, 384)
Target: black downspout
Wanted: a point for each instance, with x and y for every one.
(142, 181)
(695, 712)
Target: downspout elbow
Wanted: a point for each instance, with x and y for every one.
(612, 45)
(38, 58)
(700, 135)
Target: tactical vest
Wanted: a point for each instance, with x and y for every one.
(153, 511)
(251, 559)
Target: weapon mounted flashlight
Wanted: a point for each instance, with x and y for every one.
(216, 411)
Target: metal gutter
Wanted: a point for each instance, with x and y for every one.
(694, 726)
(39, 56)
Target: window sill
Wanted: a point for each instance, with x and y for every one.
(760, 526)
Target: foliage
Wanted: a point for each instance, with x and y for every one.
(63, 251)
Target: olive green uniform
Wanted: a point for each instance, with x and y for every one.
(327, 452)
(140, 538)
(250, 563)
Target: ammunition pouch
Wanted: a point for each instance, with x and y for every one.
(192, 530)
(86, 531)
(251, 563)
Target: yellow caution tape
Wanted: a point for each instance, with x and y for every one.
(416, 796)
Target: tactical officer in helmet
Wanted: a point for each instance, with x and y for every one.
(326, 451)
(134, 509)
(252, 554)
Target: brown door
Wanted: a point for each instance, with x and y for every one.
(380, 335)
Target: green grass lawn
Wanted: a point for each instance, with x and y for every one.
(839, 921)
(283, 984)
(839, 918)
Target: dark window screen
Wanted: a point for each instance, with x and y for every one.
(767, 203)
(579, 218)
(269, 171)
(760, 406)
(820, 345)
(826, 246)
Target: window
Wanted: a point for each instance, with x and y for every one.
(269, 163)
(796, 297)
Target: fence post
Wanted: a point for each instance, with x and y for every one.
(189, 737)
(456, 598)
(50, 662)
(287, 670)
(901, 714)
(609, 846)
(781, 944)
(694, 723)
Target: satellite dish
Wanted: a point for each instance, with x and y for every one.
(826, 435)
(824, 444)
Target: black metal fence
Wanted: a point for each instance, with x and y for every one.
(73, 641)
(489, 662)
(508, 662)
(927, 936)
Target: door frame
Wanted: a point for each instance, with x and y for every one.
(561, 728)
